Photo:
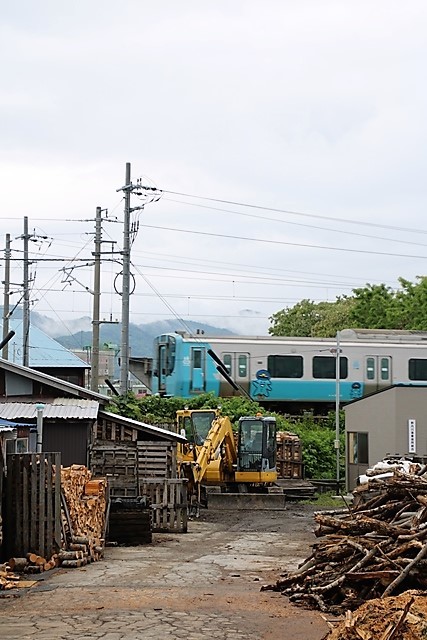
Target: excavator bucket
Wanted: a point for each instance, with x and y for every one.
(246, 501)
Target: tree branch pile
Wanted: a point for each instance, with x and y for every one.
(373, 549)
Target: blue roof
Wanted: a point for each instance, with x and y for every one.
(43, 350)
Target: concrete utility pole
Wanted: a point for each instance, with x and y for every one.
(6, 296)
(124, 358)
(150, 194)
(94, 378)
(26, 302)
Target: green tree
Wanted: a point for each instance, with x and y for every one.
(314, 319)
(410, 305)
(373, 307)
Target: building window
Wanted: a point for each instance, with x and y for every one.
(358, 448)
(285, 366)
(243, 366)
(417, 369)
(324, 367)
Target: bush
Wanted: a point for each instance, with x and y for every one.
(317, 436)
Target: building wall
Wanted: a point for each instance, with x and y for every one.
(384, 417)
(70, 438)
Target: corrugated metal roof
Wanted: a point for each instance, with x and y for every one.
(56, 383)
(65, 408)
(4, 429)
(162, 433)
(43, 350)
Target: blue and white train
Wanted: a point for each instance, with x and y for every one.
(290, 374)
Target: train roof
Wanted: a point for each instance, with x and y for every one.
(346, 335)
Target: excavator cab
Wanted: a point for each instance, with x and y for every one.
(195, 424)
(256, 450)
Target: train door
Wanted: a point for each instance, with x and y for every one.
(237, 366)
(197, 370)
(377, 373)
(162, 360)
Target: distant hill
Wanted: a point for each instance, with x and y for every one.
(141, 337)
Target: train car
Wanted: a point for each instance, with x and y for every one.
(290, 374)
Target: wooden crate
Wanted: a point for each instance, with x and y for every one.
(118, 463)
(130, 522)
(168, 503)
(289, 456)
(156, 459)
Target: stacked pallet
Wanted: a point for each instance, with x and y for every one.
(373, 549)
(289, 455)
(84, 513)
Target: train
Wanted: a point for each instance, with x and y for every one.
(290, 374)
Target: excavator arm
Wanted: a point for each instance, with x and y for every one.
(219, 446)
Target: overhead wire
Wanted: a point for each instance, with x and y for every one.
(297, 213)
(297, 224)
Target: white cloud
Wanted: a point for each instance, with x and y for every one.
(305, 106)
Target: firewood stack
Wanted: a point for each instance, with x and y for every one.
(373, 549)
(84, 512)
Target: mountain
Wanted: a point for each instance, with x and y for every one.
(141, 337)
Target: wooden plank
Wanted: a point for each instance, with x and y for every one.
(33, 500)
(25, 504)
(42, 506)
(19, 534)
(57, 502)
(48, 551)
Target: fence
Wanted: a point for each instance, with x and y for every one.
(32, 519)
(168, 502)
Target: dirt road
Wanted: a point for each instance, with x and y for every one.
(203, 584)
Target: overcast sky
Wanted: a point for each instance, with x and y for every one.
(314, 108)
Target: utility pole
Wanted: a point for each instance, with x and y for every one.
(124, 367)
(151, 194)
(6, 296)
(94, 378)
(26, 303)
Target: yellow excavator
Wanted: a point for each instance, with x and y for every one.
(238, 463)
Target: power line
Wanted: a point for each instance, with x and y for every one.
(297, 224)
(296, 213)
(282, 242)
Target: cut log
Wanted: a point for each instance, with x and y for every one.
(17, 564)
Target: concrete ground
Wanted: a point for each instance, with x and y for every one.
(203, 584)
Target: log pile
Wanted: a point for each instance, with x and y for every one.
(373, 549)
(84, 513)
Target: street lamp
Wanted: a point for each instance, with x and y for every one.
(39, 408)
(337, 352)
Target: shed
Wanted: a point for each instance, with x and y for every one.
(392, 421)
(73, 417)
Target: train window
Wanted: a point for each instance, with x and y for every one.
(417, 369)
(385, 369)
(197, 359)
(358, 448)
(243, 366)
(226, 358)
(324, 367)
(285, 366)
(370, 368)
